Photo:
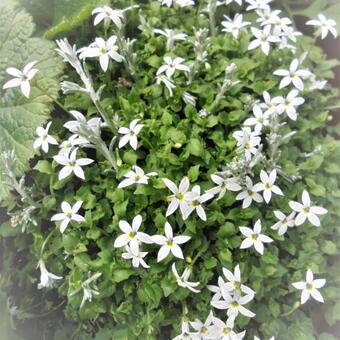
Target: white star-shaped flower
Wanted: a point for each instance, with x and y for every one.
(171, 65)
(180, 196)
(44, 139)
(136, 176)
(197, 203)
(310, 287)
(131, 236)
(324, 26)
(259, 120)
(307, 211)
(74, 126)
(248, 195)
(263, 38)
(223, 184)
(105, 50)
(254, 237)
(21, 78)
(203, 329)
(234, 304)
(185, 3)
(248, 141)
(136, 256)
(217, 290)
(269, 105)
(234, 284)
(293, 75)
(285, 222)
(234, 26)
(171, 36)
(72, 141)
(71, 164)
(239, 2)
(167, 82)
(225, 330)
(169, 243)
(289, 104)
(262, 5)
(282, 25)
(186, 334)
(108, 14)
(316, 84)
(46, 278)
(267, 185)
(182, 280)
(130, 134)
(68, 214)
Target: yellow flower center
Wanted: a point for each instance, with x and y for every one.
(204, 330)
(195, 203)
(237, 285)
(225, 331)
(309, 286)
(180, 196)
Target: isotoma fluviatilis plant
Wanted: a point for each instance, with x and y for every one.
(169, 201)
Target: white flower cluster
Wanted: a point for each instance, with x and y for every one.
(230, 295)
(264, 124)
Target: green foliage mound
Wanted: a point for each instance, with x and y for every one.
(179, 138)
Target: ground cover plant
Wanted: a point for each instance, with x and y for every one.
(169, 171)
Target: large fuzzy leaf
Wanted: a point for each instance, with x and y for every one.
(19, 116)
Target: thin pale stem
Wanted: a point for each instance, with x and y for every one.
(212, 11)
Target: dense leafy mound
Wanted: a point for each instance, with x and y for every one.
(178, 139)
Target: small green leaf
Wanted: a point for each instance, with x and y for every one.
(44, 167)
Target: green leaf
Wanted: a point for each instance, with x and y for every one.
(69, 14)
(195, 147)
(120, 275)
(307, 10)
(193, 173)
(19, 116)
(44, 167)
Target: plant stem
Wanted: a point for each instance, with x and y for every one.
(197, 256)
(295, 307)
(212, 11)
(94, 97)
(60, 105)
(45, 242)
(108, 155)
